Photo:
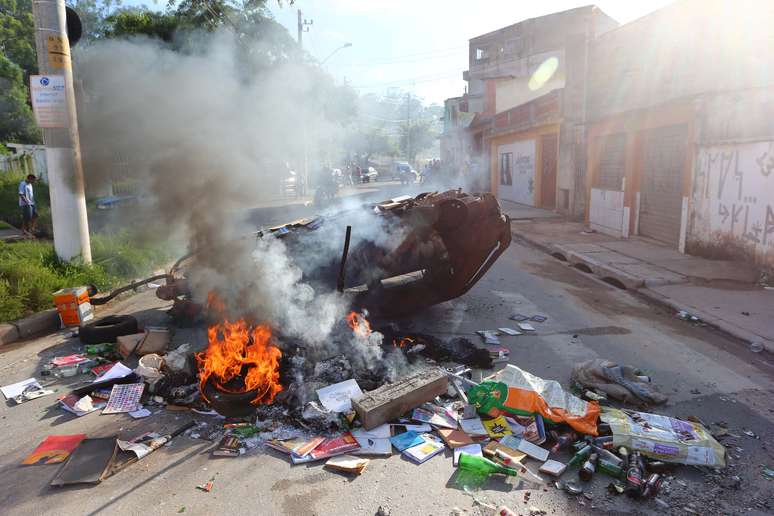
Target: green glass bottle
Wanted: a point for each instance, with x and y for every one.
(483, 467)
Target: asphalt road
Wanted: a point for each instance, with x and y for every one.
(704, 374)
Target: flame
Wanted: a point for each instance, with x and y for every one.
(236, 351)
(359, 324)
(403, 342)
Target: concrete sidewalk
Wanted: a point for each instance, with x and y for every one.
(723, 294)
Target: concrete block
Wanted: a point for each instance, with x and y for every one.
(8, 334)
(391, 401)
(38, 324)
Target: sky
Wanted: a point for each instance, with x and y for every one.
(418, 45)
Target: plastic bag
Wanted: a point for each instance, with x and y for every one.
(664, 438)
(514, 391)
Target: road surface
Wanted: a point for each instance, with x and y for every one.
(704, 374)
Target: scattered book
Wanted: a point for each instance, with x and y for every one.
(539, 318)
(124, 398)
(525, 326)
(454, 438)
(406, 440)
(228, 447)
(518, 317)
(492, 447)
(306, 447)
(54, 449)
(497, 427)
(553, 467)
(473, 426)
(532, 450)
(285, 446)
(430, 447)
(347, 464)
(332, 446)
(509, 331)
(434, 415)
(531, 428)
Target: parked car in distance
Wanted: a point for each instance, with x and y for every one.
(369, 175)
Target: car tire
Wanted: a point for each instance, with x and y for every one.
(107, 329)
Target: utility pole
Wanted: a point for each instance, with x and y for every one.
(303, 27)
(63, 149)
(408, 128)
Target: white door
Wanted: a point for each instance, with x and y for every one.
(517, 172)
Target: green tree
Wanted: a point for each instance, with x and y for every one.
(16, 121)
(416, 137)
(17, 34)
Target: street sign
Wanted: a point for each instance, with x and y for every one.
(48, 100)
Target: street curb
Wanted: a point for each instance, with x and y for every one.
(32, 326)
(643, 290)
(708, 319)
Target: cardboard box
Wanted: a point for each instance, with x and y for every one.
(73, 306)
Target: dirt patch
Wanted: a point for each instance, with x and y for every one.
(599, 330)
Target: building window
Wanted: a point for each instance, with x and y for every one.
(513, 46)
(481, 54)
(506, 168)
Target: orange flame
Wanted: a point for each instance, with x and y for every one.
(359, 324)
(402, 343)
(235, 350)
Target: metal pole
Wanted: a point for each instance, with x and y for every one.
(63, 149)
(300, 30)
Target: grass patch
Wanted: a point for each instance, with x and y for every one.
(9, 202)
(30, 270)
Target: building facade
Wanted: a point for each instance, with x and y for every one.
(526, 89)
(680, 129)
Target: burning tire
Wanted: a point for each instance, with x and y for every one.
(108, 329)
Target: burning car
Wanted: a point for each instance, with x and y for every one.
(393, 257)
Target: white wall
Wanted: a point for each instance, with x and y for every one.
(733, 197)
(522, 187)
(606, 212)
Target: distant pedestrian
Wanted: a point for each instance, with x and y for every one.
(27, 205)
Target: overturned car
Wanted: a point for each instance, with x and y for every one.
(391, 258)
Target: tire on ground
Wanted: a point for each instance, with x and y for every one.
(107, 329)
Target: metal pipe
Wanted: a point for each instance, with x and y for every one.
(340, 283)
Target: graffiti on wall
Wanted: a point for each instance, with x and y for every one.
(734, 192)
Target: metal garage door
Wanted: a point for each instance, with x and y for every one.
(661, 183)
(612, 160)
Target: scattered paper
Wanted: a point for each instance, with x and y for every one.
(119, 370)
(140, 446)
(489, 336)
(380, 432)
(124, 398)
(372, 445)
(140, 413)
(15, 389)
(72, 401)
(338, 397)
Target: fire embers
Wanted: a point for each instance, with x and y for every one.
(240, 359)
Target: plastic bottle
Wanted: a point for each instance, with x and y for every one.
(634, 474)
(589, 467)
(483, 467)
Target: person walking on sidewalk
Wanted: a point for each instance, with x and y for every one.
(27, 205)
